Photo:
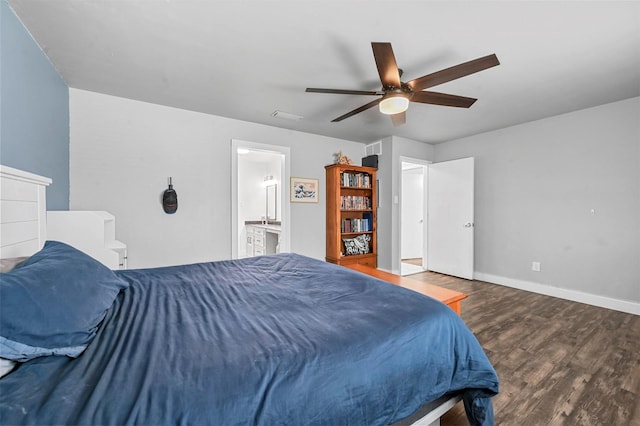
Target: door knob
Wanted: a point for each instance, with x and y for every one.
(468, 225)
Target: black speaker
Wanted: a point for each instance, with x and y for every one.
(370, 161)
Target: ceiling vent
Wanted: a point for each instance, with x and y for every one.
(374, 148)
(286, 115)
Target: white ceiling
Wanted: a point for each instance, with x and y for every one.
(246, 59)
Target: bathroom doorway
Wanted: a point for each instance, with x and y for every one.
(260, 213)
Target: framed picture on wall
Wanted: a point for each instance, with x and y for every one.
(304, 190)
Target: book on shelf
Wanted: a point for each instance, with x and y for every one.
(355, 180)
(355, 202)
(368, 218)
(352, 225)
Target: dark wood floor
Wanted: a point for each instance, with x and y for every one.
(559, 362)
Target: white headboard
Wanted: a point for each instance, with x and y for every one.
(23, 212)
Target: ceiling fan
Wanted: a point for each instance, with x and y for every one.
(396, 95)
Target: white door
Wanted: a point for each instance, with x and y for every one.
(450, 220)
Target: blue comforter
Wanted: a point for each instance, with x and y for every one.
(278, 339)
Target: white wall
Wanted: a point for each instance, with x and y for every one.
(122, 152)
(564, 191)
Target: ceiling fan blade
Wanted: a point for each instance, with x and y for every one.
(399, 119)
(437, 98)
(453, 73)
(357, 110)
(386, 63)
(343, 92)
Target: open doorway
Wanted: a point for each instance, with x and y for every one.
(260, 215)
(446, 225)
(413, 211)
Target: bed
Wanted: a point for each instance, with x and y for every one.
(281, 339)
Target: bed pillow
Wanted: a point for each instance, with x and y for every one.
(7, 265)
(53, 303)
(357, 245)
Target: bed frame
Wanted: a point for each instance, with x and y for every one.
(23, 214)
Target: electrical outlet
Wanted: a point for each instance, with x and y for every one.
(535, 266)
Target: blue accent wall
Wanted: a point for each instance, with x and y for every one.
(34, 110)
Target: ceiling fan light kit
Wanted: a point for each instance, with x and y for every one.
(394, 104)
(396, 94)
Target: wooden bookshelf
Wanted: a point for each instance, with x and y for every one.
(351, 212)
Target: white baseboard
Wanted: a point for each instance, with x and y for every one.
(562, 293)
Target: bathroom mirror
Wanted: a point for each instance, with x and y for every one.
(272, 202)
